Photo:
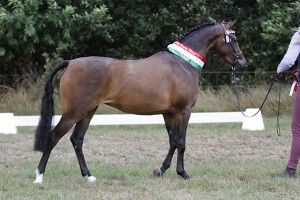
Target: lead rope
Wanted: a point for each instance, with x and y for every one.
(238, 100)
(278, 125)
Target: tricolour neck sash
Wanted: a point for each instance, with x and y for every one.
(192, 57)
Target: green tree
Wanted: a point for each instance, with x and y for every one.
(30, 28)
(264, 29)
(279, 26)
(141, 27)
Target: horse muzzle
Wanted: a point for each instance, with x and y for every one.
(240, 64)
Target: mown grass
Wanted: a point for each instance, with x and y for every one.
(224, 162)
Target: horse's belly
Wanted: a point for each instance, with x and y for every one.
(139, 106)
(142, 111)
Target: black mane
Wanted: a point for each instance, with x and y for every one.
(183, 36)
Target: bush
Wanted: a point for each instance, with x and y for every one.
(30, 28)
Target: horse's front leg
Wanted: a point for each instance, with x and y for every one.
(181, 127)
(172, 141)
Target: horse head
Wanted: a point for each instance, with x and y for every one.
(227, 46)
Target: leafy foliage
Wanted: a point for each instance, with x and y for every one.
(143, 27)
(279, 27)
(31, 29)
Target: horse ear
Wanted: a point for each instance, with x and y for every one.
(231, 23)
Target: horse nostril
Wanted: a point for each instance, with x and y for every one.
(241, 63)
(244, 65)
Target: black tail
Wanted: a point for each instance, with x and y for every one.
(47, 110)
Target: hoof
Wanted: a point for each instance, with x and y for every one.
(90, 179)
(184, 175)
(157, 172)
(38, 181)
(39, 177)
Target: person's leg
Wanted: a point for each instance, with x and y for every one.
(295, 127)
(291, 168)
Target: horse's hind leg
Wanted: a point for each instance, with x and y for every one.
(54, 136)
(172, 141)
(77, 141)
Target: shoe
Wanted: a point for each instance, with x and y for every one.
(288, 173)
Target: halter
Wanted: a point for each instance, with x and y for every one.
(228, 39)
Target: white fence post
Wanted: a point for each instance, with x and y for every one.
(7, 123)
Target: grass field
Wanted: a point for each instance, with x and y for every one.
(223, 161)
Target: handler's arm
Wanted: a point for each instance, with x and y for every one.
(291, 54)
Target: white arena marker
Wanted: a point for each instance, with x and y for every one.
(254, 123)
(7, 123)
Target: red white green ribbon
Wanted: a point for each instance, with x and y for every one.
(194, 58)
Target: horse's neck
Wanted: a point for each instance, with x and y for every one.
(201, 40)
